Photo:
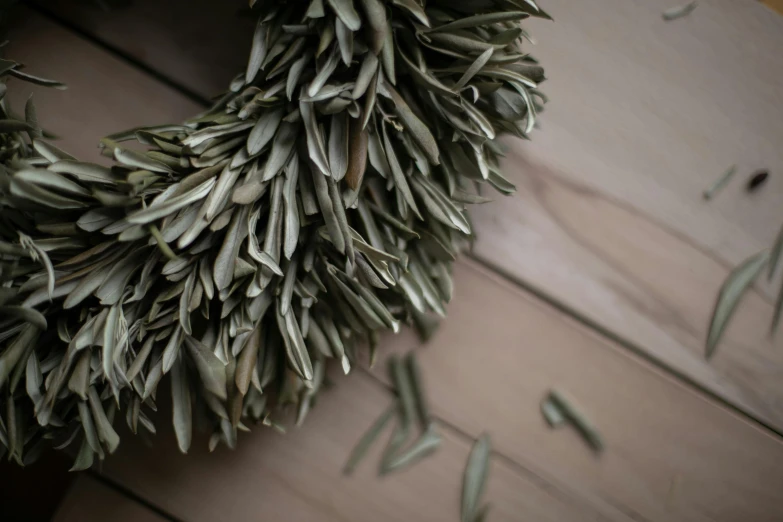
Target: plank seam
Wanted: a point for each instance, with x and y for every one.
(557, 304)
(547, 484)
(118, 53)
(132, 495)
(630, 346)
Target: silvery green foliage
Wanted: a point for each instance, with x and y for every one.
(320, 201)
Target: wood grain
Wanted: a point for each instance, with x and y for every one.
(500, 350)
(289, 478)
(103, 95)
(672, 454)
(201, 44)
(297, 476)
(609, 219)
(90, 501)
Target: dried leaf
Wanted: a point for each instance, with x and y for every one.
(346, 13)
(577, 419)
(181, 405)
(674, 13)
(424, 446)
(475, 478)
(366, 441)
(264, 130)
(103, 426)
(480, 20)
(210, 369)
(730, 294)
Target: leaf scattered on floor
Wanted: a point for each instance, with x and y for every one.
(673, 13)
(558, 410)
(735, 286)
(474, 481)
(409, 406)
(720, 182)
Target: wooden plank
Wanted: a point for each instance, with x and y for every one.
(103, 96)
(90, 501)
(609, 218)
(672, 454)
(297, 476)
(201, 44)
(300, 474)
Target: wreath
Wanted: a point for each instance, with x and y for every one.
(319, 202)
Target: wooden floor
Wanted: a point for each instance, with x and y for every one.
(597, 278)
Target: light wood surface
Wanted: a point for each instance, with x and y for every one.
(297, 476)
(102, 96)
(90, 501)
(501, 350)
(609, 218)
(672, 454)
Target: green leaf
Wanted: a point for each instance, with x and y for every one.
(84, 458)
(375, 12)
(105, 431)
(315, 143)
(315, 9)
(474, 68)
(282, 147)
(778, 311)
(425, 79)
(327, 208)
(425, 445)
(211, 371)
(480, 20)
(552, 413)
(168, 207)
(291, 222)
(88, 427)
(418, 390)
(475, 478)
(181, 405)
(404, 388)
(344, 41)
(735, 286)
(346, 13)
(338, 145)
(369, 437)
(418, 130)
(50, 152)
(414, 8)
(294, 345)
(9, 125)
(775, 255)
(139, 160)
(398, 175)
(258, 51)
(674, 13)
(49, 179)
(37, 80)
(28, 315)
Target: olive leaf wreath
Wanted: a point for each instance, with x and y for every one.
(320, 201)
